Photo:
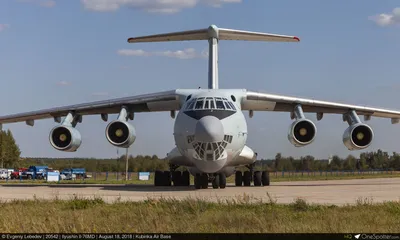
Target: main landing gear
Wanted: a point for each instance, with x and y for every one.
(259, 178)
(172, 177)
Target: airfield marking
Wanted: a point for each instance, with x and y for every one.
(337, 192)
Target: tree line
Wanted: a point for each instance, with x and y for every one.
(9, 150)
(10, 158)
(367, 160)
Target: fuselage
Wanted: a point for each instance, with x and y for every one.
(210, 130)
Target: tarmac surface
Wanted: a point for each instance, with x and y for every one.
(336, 192)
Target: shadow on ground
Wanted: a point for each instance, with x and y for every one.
(151, 188)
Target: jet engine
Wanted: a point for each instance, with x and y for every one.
(358, 136)
(302, 132)
(65, 138)
(120, 133)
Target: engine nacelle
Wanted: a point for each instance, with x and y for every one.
(302, 132)
(120, 134)
(358, 136)
(65, 138)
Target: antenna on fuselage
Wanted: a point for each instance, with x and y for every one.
(213, 34)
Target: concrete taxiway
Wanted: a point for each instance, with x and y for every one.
(337, 192)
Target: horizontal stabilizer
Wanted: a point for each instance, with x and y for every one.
(231, 34)
(215, 32)
(201, 34)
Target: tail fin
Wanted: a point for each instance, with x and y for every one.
(213, 34)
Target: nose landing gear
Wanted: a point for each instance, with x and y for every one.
(201, 181)
(218, 180)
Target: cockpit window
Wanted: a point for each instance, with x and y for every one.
(220, 104)
(199, 103)
(209, 103)
(227, 105)
(206, 105)
(191, 104)
(232, 105)
(212, 104)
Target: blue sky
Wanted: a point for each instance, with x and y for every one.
(55, 53)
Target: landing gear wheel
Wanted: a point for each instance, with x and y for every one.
(238, 179)
(247, 178)
(167, 178)
(265, 178)
(197, 181)
(177, 178)
(185, 178)
(204, 181)
(222, 180)
(257, 178)
(158, 178)
(216, 182)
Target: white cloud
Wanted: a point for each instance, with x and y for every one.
(4, 26)
(218, 3)
(387, 19)
(153, 6)
(188, 53)
(63, 83)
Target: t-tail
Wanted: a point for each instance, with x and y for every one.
(213, 34)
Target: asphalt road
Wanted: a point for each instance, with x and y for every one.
(337, 192)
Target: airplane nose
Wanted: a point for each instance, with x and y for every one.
(209, 129)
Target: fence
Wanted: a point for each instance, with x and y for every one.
(132, 176)
(283, 174)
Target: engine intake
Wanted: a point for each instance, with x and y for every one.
(358, 136)
(65, 138)
(302, 132)
(120, 134)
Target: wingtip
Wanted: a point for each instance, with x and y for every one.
(296, 38)
(132, 40)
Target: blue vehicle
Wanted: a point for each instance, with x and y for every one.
(79, 172)
(35, 172)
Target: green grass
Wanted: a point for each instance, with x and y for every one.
(239, 215)
(275, 177)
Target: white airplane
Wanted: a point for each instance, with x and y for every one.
(210, 128)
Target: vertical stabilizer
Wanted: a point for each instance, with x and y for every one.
(213, 57)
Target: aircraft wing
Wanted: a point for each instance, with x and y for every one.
(257, 101)
(154, 102)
